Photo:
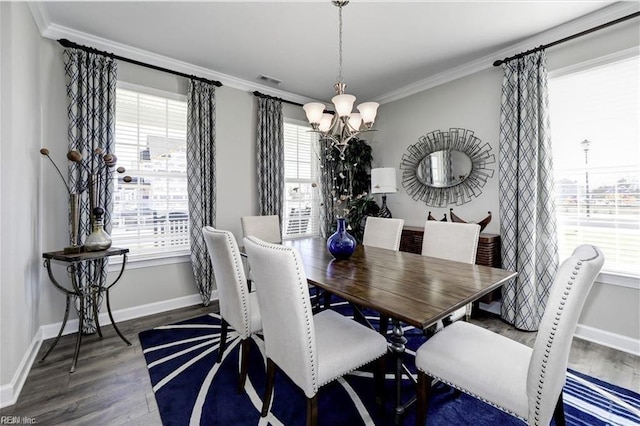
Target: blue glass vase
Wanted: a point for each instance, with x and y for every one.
(341, 244)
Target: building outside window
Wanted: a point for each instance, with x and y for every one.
(595, 114)
(150, 214)
(301, 198)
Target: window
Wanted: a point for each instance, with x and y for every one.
(596, 152)
(301, 198)
(150, 214)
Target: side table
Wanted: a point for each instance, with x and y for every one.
(82, 292)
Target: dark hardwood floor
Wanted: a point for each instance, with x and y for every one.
(111, 385)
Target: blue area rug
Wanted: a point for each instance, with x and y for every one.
(191, 389)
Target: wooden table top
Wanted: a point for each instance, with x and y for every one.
(415, 289)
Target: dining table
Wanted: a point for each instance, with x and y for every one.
(405, 287)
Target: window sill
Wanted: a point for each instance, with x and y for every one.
(150, 260)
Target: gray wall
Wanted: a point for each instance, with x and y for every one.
(473, 102)
(20, 224)
(34, 210)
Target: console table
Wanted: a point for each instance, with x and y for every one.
(85, 292)
(488, 252)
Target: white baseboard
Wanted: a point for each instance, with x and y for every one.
(606, 338)
(51, 330)
(9, 392)
(585, 332)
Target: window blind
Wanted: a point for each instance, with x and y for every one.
(301, 200)
(151, 212)
(598, 188)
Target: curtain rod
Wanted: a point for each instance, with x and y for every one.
(66, 43)
(571, 37)
(262, 95)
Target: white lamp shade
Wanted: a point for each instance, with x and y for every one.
(314, 112)
(368, 111)
(355, 120)
(343, 104)
(383, 180)
(325, 122)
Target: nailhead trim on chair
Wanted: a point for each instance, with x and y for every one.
(353, 369)
(486, 401)
(552, 334)
(243, 297)
(314, 373)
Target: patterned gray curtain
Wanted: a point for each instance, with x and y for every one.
(527, 210)
(201, 178)
(91, 95)
(270, 156)
(327, 187)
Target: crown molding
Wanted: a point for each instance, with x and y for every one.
(55, 32)
(615, 11)
(40, 15)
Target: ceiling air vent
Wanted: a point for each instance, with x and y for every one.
(269, 80)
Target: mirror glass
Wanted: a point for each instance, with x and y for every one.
(444, 169)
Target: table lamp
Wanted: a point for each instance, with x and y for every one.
(383, 181)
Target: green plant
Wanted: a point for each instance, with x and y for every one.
(351, 185)
(359, 208)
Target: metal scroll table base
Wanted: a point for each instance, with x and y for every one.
(92, 290)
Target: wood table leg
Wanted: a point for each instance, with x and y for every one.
(398, 346)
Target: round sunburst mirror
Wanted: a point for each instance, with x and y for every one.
(446, 167)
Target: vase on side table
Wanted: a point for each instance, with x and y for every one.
(341, 244)
(98, 239)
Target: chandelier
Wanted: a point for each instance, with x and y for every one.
(344, 125)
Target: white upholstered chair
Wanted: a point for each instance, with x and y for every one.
(311, 350)
(238, 307)
(524, 382)
(452, 241)
(382, 232)
(267, 228)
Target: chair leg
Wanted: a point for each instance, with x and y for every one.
(378, 376)
(384, 325)
(271, 375)
(327, 299)
(244, 363)
(312, 410)
(558, 413)
(423, 392)
(223, 339)
(317, 306)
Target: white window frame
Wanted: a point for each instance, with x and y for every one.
(606, 277)
(147, 260)
(315, 178)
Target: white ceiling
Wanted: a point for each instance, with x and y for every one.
(390, 48)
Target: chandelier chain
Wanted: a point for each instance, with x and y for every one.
(340, 44)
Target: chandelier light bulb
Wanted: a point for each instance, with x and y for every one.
(355, 120)
(343, 104)
(314, 112)
(325, 123)
(368, 110)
